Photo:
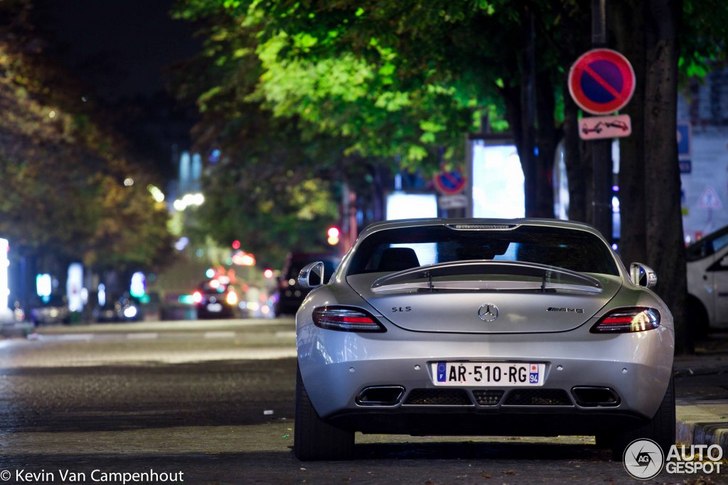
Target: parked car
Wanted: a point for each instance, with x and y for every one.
(289, 294)
(123, 309)
(53, 309)
(707, 278)
(216, 298)
(482, 327)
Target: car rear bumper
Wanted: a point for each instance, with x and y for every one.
(591, 382)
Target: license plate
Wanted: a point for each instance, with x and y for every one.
(487, 374)
(214, 307)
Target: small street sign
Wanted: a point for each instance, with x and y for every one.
(686, 166)
(601, 81)
(709, 199)
(447, 202)
(599, 127)
(683, 141)
(449, 183)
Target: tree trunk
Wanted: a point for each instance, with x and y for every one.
(649, 172)
(666, 250)
(577, 171)
(627, 21)
(530, 113)
(546, 140)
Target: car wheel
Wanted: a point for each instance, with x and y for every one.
(661, 428)
(313, 438)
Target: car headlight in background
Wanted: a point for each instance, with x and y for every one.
(130, 312)
(231, 298)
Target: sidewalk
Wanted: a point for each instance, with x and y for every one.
(698, 421)
(704, 421)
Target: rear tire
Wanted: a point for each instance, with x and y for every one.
(313, 438)
(661, 428)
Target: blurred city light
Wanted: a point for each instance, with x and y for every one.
(231, 298)
(43, 286)
(137, 289)
(128, 182)
(102, 294)
(241, 258)
(268, 273)
(214, 156)
(74, 287)
(333, 235)
(156, 192)
(181, 243)
(189, 200)
(130, 312)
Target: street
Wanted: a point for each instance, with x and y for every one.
(212, 402)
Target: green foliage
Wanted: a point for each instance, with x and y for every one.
(703, 36)
(398, 83)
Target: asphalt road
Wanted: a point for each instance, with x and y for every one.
(212, 402)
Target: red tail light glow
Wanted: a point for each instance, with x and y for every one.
(197, 297)
(346, 319)
(627, 320)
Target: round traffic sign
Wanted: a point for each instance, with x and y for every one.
(449, 183)
(601, 81)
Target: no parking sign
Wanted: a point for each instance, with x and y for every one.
(601, 81)
(449, 182)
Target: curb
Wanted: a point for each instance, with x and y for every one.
(15, 330)
(700, 371)
(702, 423)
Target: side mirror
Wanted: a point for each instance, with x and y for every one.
(642, 275)
(312, 275)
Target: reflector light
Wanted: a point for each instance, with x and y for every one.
(626, 320)
(346, 319)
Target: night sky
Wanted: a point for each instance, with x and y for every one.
(120, 47)
(119, 50)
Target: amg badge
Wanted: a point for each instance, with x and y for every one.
(565, 310)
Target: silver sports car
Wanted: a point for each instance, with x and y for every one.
(482, 327)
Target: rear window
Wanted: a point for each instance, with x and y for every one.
(400, 249)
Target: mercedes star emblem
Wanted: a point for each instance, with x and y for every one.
(488, 312)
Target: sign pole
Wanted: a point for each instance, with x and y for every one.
(601, 149)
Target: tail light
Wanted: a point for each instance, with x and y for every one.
(626, 320)
(197, 297)
(346, 319)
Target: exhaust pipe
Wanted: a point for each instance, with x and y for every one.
(380, 396)
(588, 396)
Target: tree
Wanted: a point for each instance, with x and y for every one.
(399, 79)
(648, 33)
(65, 179)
